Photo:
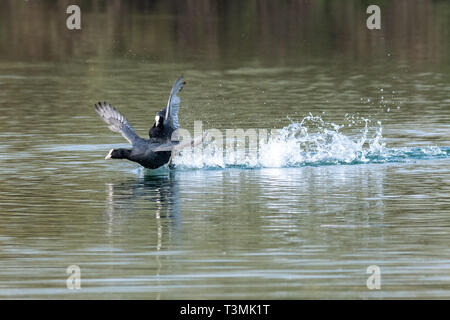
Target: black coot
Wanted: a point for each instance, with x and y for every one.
(150, 153)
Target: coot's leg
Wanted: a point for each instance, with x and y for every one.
(171, 166)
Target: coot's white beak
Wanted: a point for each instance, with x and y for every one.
(157, 118)
(109, 154)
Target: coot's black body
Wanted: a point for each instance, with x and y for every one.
(150, 153)
(143, 152)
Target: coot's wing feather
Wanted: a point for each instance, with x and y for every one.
(165, 147)
(173, 105)
(177, 146)
(116, 121)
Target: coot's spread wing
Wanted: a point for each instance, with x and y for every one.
(168, 113)
(173, 105)
(116, 121)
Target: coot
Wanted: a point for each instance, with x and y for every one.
(156, 151)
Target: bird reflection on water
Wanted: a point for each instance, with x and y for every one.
(160, 189)
(151, 193)
(152, 201)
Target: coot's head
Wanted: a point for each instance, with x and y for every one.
(159, 120)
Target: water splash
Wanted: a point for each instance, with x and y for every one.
(312, 142)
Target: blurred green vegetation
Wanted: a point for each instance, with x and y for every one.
(220, 33)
